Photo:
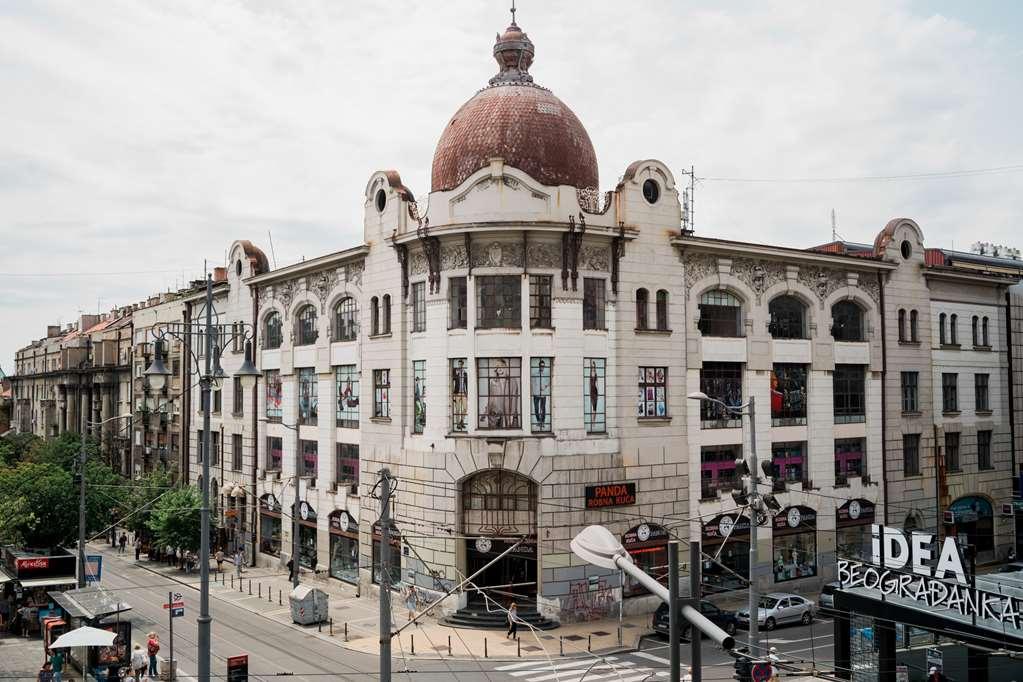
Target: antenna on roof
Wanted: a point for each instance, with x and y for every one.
(272, 254)
(689, 202)
(834, 227)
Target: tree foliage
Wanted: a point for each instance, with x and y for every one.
(176, 519)
(140, 500)
(14, 447)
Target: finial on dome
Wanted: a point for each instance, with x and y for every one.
(514, 54)
(513, 13)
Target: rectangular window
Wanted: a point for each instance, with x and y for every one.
(910, 391)
(307, 461)
(911, 454)
(717, 470)
(382, 393)
(789, 462)
(540, 301)
(594, 408)
(237, 397)
(652, 400)
(419, 307)
(721, 381)
(541, 371)
(594, 299)
(950, 392)
(347, 465)
(346, 383)
(308, 407)
(272, 378)
(418, 396)
(980, 384)
(848, 459)
(459, 395)
(458, 306)
(217, 401)
(952, 452)
(499, 390)
(849, 389)
(236, 452)
(984, 450)
(788, 395)
(274, 453)
(498, 302)
(214, 448)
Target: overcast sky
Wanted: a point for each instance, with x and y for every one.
(138, 138)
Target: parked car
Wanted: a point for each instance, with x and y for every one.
(827, 598)
(1011, 567)
(777, 608)
(725, 620)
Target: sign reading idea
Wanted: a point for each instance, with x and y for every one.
(610, 495)
(900, 566)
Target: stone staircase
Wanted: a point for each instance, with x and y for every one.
(477, 617)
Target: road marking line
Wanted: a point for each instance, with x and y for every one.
(544, 665)
(643, 673)
(656, 659)
(565, 675)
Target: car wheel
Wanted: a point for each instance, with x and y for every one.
(769, 624)
(807, 618)
(730, 628)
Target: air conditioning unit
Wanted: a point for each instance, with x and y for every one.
(1008, 509)
(949, 518)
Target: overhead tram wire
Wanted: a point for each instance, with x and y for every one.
(994, 170)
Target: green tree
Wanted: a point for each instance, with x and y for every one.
(176, 519)
(38, 507)
(140, 498)
(15, 447)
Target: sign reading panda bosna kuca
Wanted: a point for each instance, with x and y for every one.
(900, 566)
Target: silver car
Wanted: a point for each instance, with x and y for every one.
(777, 608)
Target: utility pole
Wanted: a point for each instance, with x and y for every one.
(754, 511)
(385, 575)
(205, 382)
(695, 580)
(675, 616)
(81, 513)
(295, 529)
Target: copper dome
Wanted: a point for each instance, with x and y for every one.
(523, 123)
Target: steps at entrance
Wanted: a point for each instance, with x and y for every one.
(478, 618)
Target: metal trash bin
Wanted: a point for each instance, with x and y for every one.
(166, 666)
(308, 605)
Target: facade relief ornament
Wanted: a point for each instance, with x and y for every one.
(354, 272)
(543, 255)
(417, 263)
(822, 282)
(453, 257)
(758, 275)
(594, 257)
(698, 266)
(285, 293)
(497, 254)
(322, 284)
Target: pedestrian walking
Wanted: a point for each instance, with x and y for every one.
(513, 622)
(57, 664)
(152, 649)
(138, 548)
(122, 542)
(219, 556)
(45, 673)
(238, 562)
(411, 600)
(291, 569)
(138, 662)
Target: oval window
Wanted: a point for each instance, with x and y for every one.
(651, 191)
(907, 249)
(381, 200)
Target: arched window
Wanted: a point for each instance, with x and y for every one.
(788, 318)
(942, 334)
(976, 330)
(662, 310)
(847, 321)
(953, 329)
(720, 314)
(387, 314)
(914, 334)
(983, 332)
(642, 309)
(346, 319)
(374, 316)
(305, 326)
(902, 324)
(273, 335)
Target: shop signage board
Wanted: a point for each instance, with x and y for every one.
(934, 658)
(902, 673)
(93, 568)
(610, 495)
(238, 668)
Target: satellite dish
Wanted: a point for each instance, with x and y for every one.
(596, 545)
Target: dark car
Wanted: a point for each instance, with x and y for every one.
(723, 619)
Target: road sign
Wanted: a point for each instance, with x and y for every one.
(902, 673)
(760, 672)
(93, 568)
(174, 605)
(238, 668)
(177, 612)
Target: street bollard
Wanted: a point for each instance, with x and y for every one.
(413, 638)
(319, 626)
(232, 582)
(589, 642)
(260, 585)
(561, 645)
(346, 631)
(279, 601)
(518, 645)
(269, 595)
(332, 626)
(250, 587)
(484, 647)
(619, 635)
(449, 645)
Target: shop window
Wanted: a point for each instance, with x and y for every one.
(652, 400)
(382, 393)
(788, 318)
(850, 397)
(307, 536)
(722, 381)
(852, 529)
(458, 305)
(788, 395)
(717, 470)
(789, 462)
(305, 326)
(594, 408)
(418, 396)
(499, 392)
(727, 538)
(662, 310)
(344, 547)
(911, 454)
(642, 308)
(914, 327)
(541, 371)
(540, 302)
(419, 307)
(346, 470)
(984, 450)
(272, 380)
(308, 456)
(720, 314)
(848, 459)
(346, 386)
(910, 391)
(647, 544)
(394, 558)
(273, 334)
(981, 392)
(498, 302)
(346, 320)
(973, 523)
(459, 395)
(308, 404)
(952, 464)
(847, 321)
(274, 453)
(949, 392)
(795, 544)
(594, 303)
(269, 525)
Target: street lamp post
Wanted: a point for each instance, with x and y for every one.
(81, 495)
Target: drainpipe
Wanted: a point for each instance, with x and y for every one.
(884, 399)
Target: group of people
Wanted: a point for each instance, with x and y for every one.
(142, 664)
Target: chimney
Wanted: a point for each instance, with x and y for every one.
(52, 330)
(219, 274)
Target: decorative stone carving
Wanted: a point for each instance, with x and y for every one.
(758, 275)
(285, 293)
(354, 272)
(698, 266)
(594, 257)
(417, 263)
(589, 200)
(822, 282)
(322, 284)
(453, 257)
(497, 254)
(869, 285)
(542, 255)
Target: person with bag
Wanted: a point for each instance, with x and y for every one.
(152, 649)
(57, 664)
(138, 662)
(513, 621)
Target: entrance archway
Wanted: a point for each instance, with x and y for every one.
(499, 508)
(973, 522)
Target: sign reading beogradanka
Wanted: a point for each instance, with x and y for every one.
(610, 495)
(900, 567)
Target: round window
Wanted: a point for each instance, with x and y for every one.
(381, 200)
(651, 191)
(907, 249)
(238, 268)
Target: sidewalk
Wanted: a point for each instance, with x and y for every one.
(264, 591)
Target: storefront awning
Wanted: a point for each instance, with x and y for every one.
(49, 582)
(89, 603)
(4, 578)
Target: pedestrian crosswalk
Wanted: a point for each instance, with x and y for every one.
(593, 669)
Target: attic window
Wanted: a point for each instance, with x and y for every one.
(907, 249)
(381, 200)
(651, 191)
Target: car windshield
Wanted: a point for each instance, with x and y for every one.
(768, 602)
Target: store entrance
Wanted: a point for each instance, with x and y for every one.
(510, 578)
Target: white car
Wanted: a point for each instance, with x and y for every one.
(777, 608)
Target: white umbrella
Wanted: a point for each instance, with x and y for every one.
(84, 636)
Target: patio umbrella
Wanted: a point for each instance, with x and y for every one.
(84, 636)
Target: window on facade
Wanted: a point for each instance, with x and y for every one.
(346, 320)
(498, 393)
(236, 452)
(346, 385)
(458, 305)
(953, 329)
(788, 318)
(910, 391)
(911, 454)
(237, 396)
(459, 395)
(307, 460)
(374, 316)
(975, 327)
(498, 301)
(347, 465)
(214, 448)
(788, 395)
(942, 331)
(914, 331)
(984, 450)
(721, 381)
(850, 399)
(983, 333)
(795, 544)
(237, 345)
(720, 314)
(848, 459)
(305, 329)
(594, 300)
(217, 400)
(386, 314)
(847, 321)
(662, 310)
(652, 400)
(952, 452)
(981, 392)
(902, 324)
(419, 307)
(594, 407)
(789, 462)
(717, 470)
(949, 392)
(273, 334)
(274, 453)
(642, 308)
(382, 393)
(540, 301)
(540, 375)
(272, 379)
(418, 396)
(308, 403)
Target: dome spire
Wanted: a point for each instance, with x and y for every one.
(514, 54)
(513, 13)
